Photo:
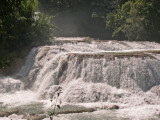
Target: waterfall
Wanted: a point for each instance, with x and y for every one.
(91, 71)
(130, 73)
(28, 64)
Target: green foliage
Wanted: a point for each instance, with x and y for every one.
(41, 29)
(92, 7)
(4, 62)
(19, 27)
(55, 105)
(136, 20)
(79, 17)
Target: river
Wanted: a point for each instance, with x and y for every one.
(94, 76)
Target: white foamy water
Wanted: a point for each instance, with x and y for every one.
(92, 73)
(18, 98)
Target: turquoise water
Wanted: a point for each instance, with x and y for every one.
(98, 115)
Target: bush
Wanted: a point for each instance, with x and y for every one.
(136, 20)
(21, 26)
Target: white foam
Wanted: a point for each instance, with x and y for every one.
(18, 98)
(140, 112)
(91, 81)
(13, 117)
(8, 84)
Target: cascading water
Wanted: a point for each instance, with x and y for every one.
(90, 71)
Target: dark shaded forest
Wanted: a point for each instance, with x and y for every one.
(27, 23)
(106, 19)
(21, 27)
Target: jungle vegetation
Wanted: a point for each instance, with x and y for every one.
(113, 19)
(22, 24)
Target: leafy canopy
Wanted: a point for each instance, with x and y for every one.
(136, 20)
(21, 26)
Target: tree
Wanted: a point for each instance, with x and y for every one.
(136, 20)
(21, 26)
(79, 17)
